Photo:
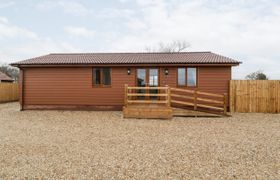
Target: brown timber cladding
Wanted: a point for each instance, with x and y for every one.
(66, 86)
(255, 96)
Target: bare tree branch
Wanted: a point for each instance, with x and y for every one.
(174, 46)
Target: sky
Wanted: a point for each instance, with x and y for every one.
(245, 30)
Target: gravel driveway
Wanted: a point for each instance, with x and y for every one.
(102, 145)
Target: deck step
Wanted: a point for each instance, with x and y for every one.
(147, 112)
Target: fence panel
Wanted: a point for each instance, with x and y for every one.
(9, 92)
(255, 96)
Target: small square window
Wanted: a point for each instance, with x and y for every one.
(101, 76)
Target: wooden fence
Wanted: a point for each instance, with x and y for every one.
(9, 92)
(255, 96)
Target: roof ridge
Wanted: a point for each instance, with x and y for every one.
(131, 53)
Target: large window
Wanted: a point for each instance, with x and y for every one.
(101, 76)
(187, 77)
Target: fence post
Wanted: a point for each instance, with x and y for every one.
(125, 95)
(225, 103)
(195, 100)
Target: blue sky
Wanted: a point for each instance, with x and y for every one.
(246, 30)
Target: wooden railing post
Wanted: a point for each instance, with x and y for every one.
(195, 100)
(125, 94)
(168, 96)
(225, 103)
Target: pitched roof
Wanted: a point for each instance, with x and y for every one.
(129, 58)
(4, 77)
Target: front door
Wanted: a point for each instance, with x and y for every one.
(148, 77)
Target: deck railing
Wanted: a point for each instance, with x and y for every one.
(133, 96)
(200, 99)
(170, 96)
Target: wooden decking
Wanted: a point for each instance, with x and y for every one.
(148, 111)
(179, 112)
(169, 102)
(153, 111)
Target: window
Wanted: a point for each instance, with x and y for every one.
(96, 76)
(153, 77)
(101, 76)
(181, 76)
(191, 76)
(187, 77)
(106, 76)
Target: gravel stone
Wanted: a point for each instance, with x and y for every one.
(103, 145)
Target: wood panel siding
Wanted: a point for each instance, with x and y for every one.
(72, 86)
(21, 77)
(214, 79)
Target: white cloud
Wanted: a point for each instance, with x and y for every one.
(11, 31)
(69, 7)
(115, 13)
(73, 7)
(123, 1)
(136, 24)
(33, 48)
(6, 4)
(3, 20)
(18, 43)
(79, 31)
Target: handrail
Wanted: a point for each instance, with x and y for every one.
(198, 92)
(210, 100)
(140, 94)
(147, 101)
(209, 94)
(182, 90)
(182, 102)
(210, 107)
(159, 88)
(182, 96)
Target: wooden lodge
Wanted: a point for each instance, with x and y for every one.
(162, 84)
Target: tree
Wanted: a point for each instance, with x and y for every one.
(13, 72)
(258, 75)
(174, 46)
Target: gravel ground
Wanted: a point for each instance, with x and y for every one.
(102, 145)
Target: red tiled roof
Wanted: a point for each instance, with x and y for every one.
(4, 77)
(129, 58)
